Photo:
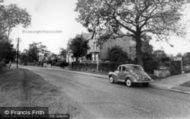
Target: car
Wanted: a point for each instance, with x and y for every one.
(130, 74)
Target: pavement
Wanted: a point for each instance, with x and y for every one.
(96, 98)
(173, 83)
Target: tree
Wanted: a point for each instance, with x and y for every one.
(79, 47)
(186, 58)
(36, 49)
(63, 53)
(7, 52)
(161, 57)
(24, 58)
(116, 54)
(11, 16)
(134, 18)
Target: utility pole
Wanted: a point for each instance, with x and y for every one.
(17, 53)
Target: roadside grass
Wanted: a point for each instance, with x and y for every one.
(24, 88)
(186, 84)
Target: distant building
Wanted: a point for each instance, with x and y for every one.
(96, 53)
(126, 43)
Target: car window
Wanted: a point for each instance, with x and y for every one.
(137, 68)
(123, 68)
(119, 68)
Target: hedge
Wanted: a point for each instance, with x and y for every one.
(92, 67)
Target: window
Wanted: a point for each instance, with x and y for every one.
(123, 68)
(119, 68)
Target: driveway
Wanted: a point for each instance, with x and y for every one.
(99, 99)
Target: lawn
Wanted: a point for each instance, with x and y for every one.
(24, 88)
(186, 84)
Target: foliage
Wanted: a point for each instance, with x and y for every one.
(175, 67)
(63, 53)
(33, 53)
(61, 63)
(11, 16)
(116, 54)
(79, 47)
(24, 58)
(7, 52)
(186, 59)
(137, 18)
(150, 63)
(161, 57)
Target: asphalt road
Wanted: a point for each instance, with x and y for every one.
(101, 100)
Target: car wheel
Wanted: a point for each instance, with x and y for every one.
(128, 83)
(111, 79)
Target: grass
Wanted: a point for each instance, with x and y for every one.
(186, 84)
(24, 88)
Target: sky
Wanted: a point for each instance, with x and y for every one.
(55, 21)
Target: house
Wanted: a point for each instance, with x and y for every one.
(96, 53)
(126, 43)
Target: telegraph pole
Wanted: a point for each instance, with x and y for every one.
(17, 53)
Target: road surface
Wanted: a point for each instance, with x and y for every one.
(101, 100)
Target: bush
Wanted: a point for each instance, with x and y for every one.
(175, 67)
(116, 54)
(61, 63)
(2, 64)
(150, 66)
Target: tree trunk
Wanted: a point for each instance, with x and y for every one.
(139, 55)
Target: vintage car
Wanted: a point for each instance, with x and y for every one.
(130, 74)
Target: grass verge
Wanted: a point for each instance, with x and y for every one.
(24, 88)
(186, 84)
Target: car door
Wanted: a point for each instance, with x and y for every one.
(122, 73)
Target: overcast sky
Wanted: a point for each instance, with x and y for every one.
(57, 17)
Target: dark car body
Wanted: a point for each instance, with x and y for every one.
(130, 74)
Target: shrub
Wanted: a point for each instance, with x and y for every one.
(2, 64)
(116, 54)
(175, 67)
(61, 63)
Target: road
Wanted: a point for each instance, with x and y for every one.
(102, 100)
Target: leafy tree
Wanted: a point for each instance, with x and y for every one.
(11, 16)
(63, 53)
(186, 58)
(79, 47)
(135, 18)
(24, 57)
(35, 49)
(7, 52)
(161, 57)
(116, 54)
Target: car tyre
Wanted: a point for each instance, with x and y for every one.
(128, 83)
(111, 79)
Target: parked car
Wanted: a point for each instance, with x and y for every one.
(130, 74)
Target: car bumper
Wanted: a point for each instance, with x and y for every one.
(142, 81)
